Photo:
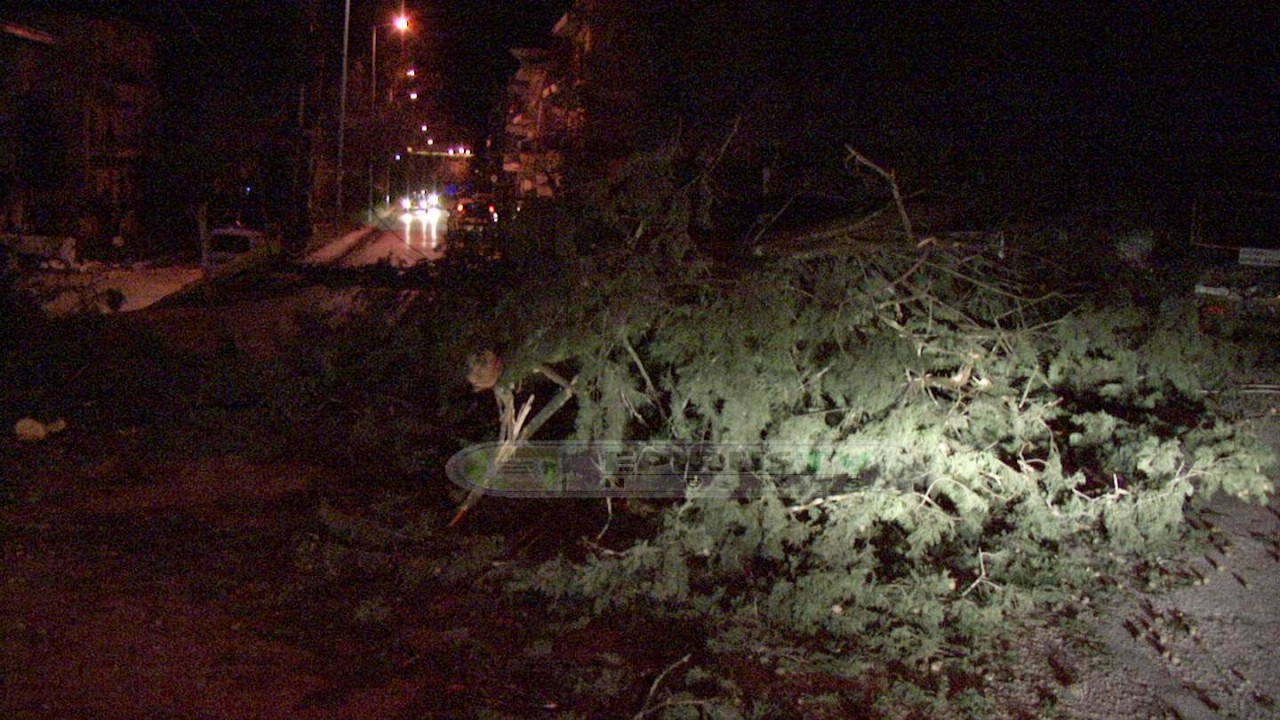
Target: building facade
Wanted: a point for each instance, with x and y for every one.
(545, 112)
(78, 111)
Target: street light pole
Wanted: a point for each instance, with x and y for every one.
(342, 101)
(373, 108)
(401, 23)
(373, 74)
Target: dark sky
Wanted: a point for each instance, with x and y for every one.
(243, 45)
(1151, 86)
(468, 41)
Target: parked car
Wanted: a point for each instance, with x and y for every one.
(1244, 293)
(235, 248)
(1238, 242)
(475, 215)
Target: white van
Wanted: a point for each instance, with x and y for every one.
(232, 249)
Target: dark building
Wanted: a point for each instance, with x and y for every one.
(545, 116)
(78, 108)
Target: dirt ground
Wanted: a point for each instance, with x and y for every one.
(210, 589)
(141, 584)
(1204, 651)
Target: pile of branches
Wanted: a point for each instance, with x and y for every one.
(981, 436)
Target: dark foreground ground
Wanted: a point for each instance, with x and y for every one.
(216, 587)
(141, 581)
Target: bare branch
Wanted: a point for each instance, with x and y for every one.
(515, 431)
(646, 710)
(890, 178)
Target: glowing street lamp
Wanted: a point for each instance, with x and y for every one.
(401, 23)
(342, 102)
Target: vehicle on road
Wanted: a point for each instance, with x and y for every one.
(1237, 238)
(475, 215)
(233, 249)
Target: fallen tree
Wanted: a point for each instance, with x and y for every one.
(938, 437)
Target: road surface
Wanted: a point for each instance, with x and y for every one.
(371, 245)
(108, 288)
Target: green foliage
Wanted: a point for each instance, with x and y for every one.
(973, 443)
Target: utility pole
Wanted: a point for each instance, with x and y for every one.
(342, 102)
(400, 23)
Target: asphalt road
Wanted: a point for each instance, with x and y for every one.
(397, 245)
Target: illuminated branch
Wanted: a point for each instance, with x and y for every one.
(890, 177)
(515, 431)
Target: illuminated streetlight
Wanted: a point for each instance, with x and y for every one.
(413, 96)
(342, 101)
(401, 23)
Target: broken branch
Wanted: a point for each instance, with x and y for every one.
(890, 177)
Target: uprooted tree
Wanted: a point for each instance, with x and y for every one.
(986, 427)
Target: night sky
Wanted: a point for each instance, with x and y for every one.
(1129, 93)
(245, 52)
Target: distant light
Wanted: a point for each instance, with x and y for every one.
(402, 23)
(433, 199)
(406, 203)
(424, 128)
(413, 96)
(410, 149)
(430, 141)
(397, 156)
(411, 73)
(433, 217)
